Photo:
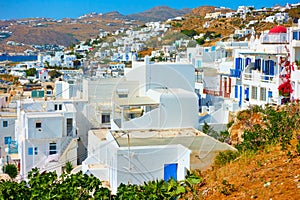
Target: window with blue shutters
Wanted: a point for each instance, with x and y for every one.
(272, 63)
(30, 151)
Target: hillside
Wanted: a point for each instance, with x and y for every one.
(267, 163)
(268, 174)
(202, 10)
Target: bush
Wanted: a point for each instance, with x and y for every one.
(11, 170)
(225, 157)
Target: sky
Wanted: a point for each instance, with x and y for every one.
(57, 9)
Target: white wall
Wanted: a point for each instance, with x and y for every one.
(162, 75)
(52, 127)
(177, 108)
(8, 131)
(147, 163)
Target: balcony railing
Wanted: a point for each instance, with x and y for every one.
(12, 147)
(257, 77)
(212, 92)
(280, 38)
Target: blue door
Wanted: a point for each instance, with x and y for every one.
(170, 171)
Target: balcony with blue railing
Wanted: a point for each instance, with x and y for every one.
(12, 147)
(235, 73)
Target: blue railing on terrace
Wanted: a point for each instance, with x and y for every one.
(12, 147)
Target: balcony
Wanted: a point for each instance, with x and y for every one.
(212, 92)
(12, 147)
(259, 77)
(295, 43)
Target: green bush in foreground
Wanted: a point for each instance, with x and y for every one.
(11, 170)
(48, 185)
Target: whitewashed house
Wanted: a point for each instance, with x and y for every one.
(152, 132)
(267, 70)
(46, 135)
(8, 147)
(43, 74)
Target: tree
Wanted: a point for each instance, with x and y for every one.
(30, 72)
(68, 167)
(54, 74)
(11, 170)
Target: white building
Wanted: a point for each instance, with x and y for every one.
(278, 17)
(142, 155)
(152, 132)
(7, 136)
(46, 135)
(43, 75)
(267, 70)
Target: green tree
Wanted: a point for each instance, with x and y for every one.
(54, 74)
(11, 170)
(30, 72)
(68, 167)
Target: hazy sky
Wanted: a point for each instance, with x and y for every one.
(58, 9)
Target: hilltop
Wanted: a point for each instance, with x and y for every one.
(159, 13)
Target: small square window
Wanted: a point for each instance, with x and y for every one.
(38, 125)
(5, 123)
(105, 118)
(52, 148)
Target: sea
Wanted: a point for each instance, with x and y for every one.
(17, 58)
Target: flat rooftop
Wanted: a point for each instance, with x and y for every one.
(188, 137)
(100, 133)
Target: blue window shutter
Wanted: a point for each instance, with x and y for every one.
(247, 93)
(235, 91)
(30, 151)
(240, 64)
(248, 60)
(241, 96)
(236, 63)
(295, 35)
(272, 67)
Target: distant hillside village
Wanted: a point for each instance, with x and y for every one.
(126, 115)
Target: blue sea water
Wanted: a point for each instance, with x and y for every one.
(17, 58)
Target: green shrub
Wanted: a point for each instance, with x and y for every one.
(225, 157)
(11, 170)
(227, 188)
